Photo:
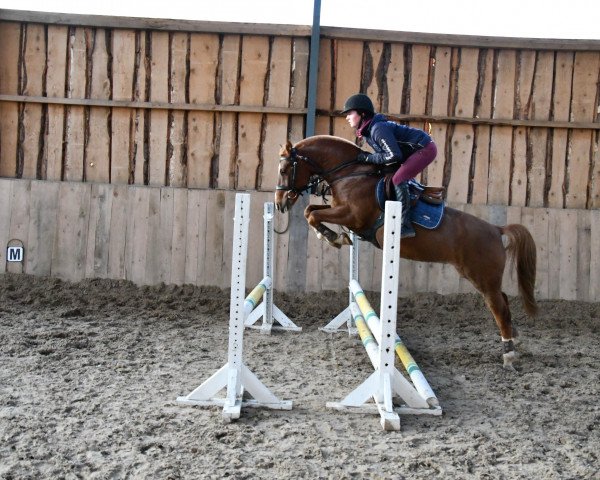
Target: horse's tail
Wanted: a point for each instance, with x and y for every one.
(522, 252)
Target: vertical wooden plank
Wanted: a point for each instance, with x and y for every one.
(594, 292)
(299, 79)
(5, 201)
(229, 71)
(98, 234)
(554, 253)
(255, 61)
(9, 85)
(204, 61)
(594, 199)
(325, 97)
(563, 80)
(373, 56)
(123, 67)
(276, 125)
(462, 137)
(74, 127)
(501, 139)
(34, 65)
(483, 109)
(195, 228)
(55, 87)
(419, 80)
(519, 181)
(70, 248)
(210, 270)
(538, 137)
(314, 262)
(178, 72)
(348, 68)
(583, 109)
(97, 145)
(434, 173)
(119, 230)
(158, 249)
(164, 235)
(19, 218)
(584, 242)
(137, 234)
(568, 254)
(137, 150)
(541, 237)
(395, 78)
(178, 252)
(521, 162)
(159, 92)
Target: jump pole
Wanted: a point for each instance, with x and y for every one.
(267, 310)
(386, 381)
(235, 376)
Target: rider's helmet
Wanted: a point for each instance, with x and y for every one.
(359, 102)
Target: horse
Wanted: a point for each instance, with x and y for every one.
(473, 246)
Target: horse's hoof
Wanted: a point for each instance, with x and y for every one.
(333, 244)
(508, 360)
(344, 239)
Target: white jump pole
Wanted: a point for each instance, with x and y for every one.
(345, 317)
(235, 375)
(267, 310)
(386, 381)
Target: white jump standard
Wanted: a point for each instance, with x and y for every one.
(386, 382)
(267, 310)
(235, 375)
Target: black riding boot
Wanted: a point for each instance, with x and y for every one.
(403, 195)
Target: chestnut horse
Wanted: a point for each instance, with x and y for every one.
(474, 247)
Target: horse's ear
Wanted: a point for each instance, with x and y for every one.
(285, 151)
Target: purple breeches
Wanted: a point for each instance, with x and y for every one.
(415, 164)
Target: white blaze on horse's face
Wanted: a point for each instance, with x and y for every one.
(284, 199)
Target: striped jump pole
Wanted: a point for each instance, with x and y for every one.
(386, 381)
(411, 367)
(235, 376)
(267, 310)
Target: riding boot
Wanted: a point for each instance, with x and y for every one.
(403, 195)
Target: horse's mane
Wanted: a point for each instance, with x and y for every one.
(321, 142)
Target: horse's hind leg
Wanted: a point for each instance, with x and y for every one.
(497, 302)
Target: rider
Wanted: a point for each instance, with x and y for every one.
(392, 142)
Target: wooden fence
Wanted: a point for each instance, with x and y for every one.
(151, 235)
(191, 104)
(120, 129)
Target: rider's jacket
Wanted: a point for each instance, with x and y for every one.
(391, 141)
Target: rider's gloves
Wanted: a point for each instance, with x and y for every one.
(362, 157)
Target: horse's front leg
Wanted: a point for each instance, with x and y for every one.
(316, 214)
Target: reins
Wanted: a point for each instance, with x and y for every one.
(319, 175)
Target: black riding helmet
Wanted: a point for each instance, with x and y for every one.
(359, 102)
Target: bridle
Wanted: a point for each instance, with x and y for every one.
(316, 177)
